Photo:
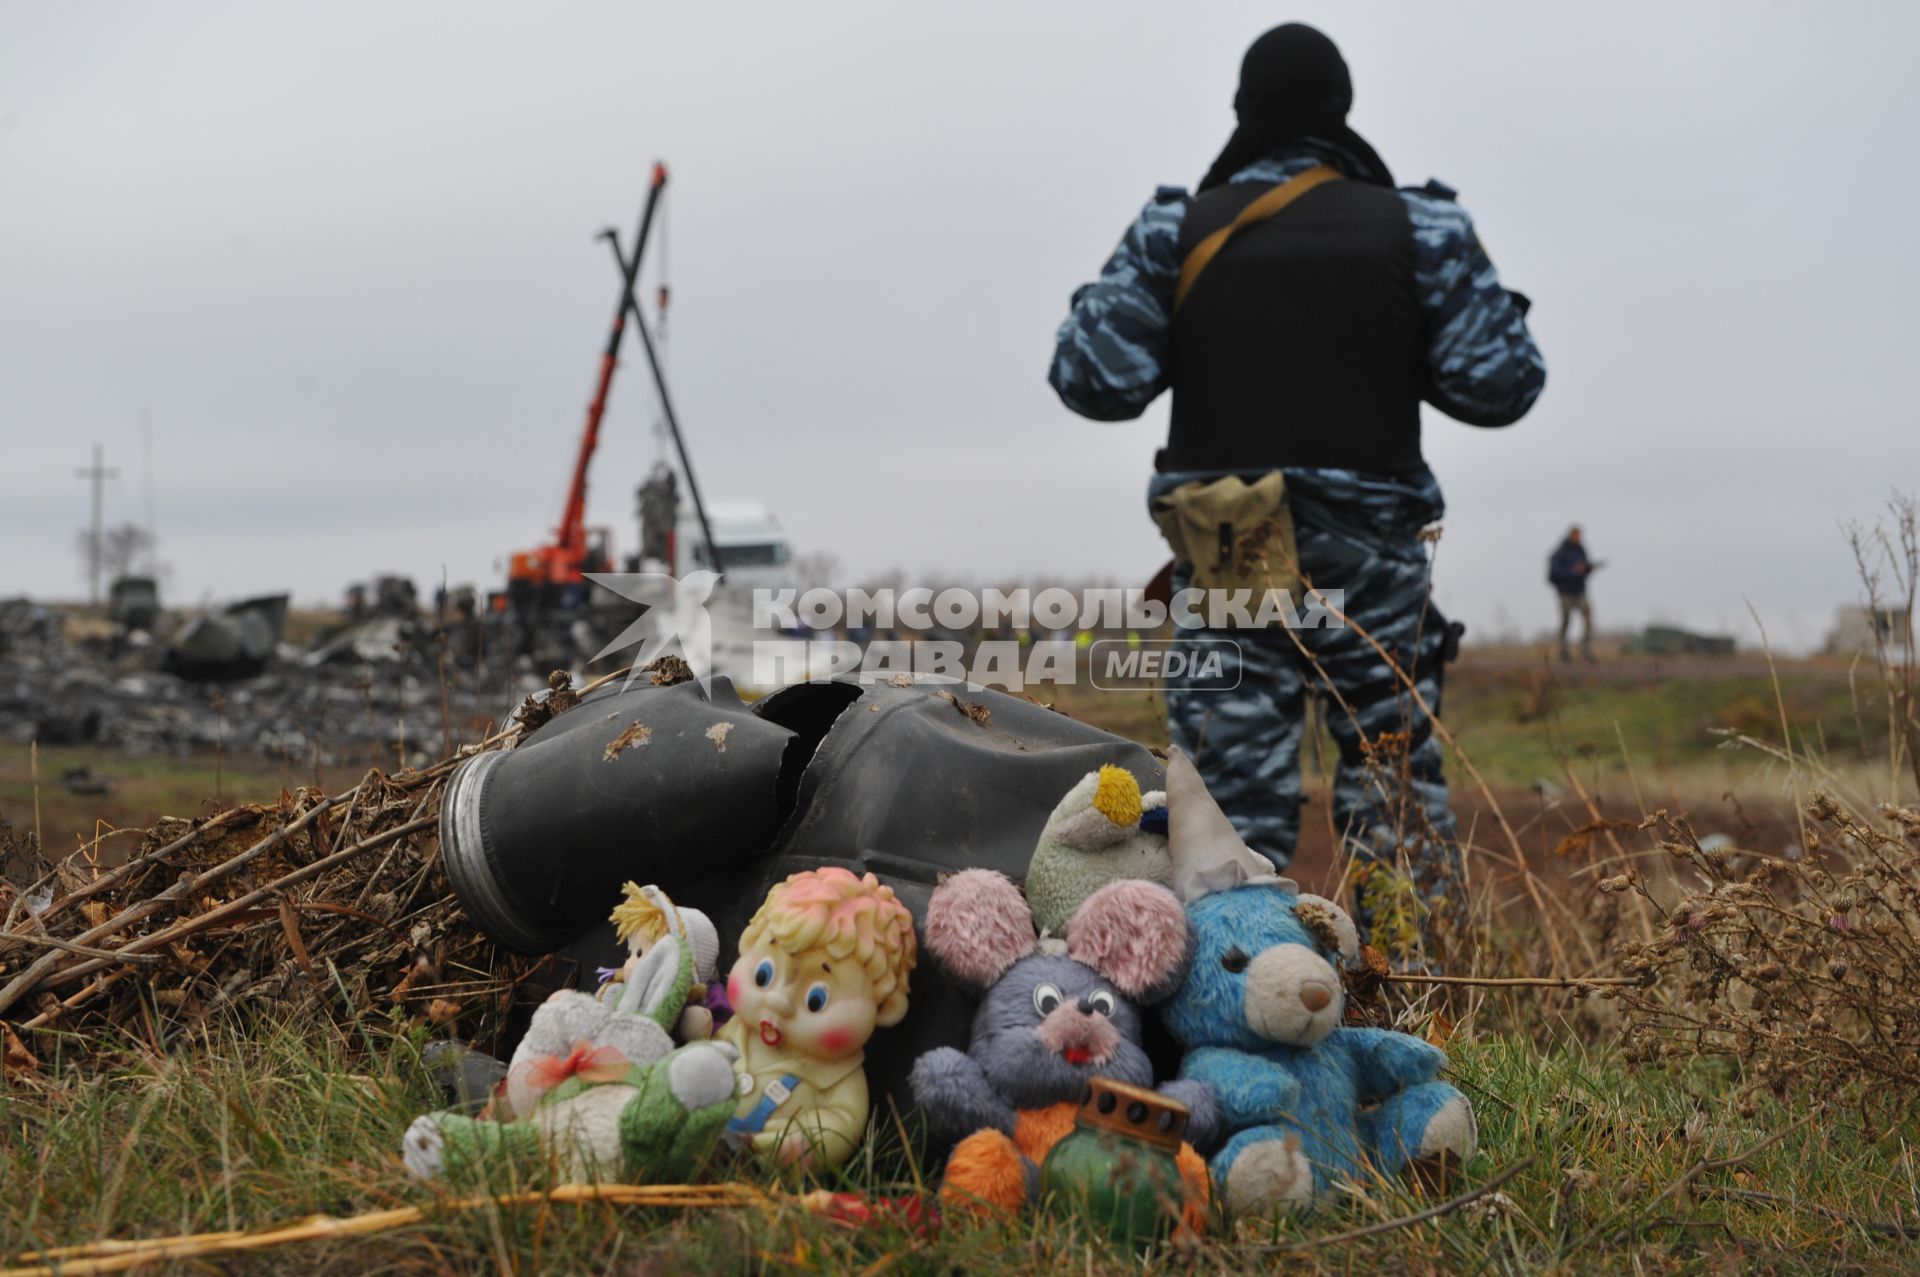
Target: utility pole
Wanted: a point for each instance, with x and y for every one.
(99, 474)
(152, 565)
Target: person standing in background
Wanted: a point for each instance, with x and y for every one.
(1567, 572)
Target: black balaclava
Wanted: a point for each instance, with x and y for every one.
(1294, 86)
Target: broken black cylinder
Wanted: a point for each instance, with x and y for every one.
(654, 784)
(715, 800)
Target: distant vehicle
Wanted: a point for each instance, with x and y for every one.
(1670, 640)
(1864, 631)
(389, 595)
(754, 555)
(134, 601)
(754, 552)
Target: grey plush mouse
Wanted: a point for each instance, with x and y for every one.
(1051, 1018)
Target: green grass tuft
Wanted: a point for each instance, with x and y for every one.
(250, 1128)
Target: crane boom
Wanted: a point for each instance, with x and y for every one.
(570, 538)
(562, 560)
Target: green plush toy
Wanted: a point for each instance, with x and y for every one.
(1095, 837)
(598, 1090)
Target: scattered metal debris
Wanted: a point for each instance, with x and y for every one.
(385, 690)
(234, 641)
(81, 780)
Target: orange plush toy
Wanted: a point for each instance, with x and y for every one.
(1053, 1016)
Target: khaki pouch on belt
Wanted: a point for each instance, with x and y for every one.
(1231, 534)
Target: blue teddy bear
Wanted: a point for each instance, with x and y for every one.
(1306, 1100)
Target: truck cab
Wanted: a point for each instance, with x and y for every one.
(754, 551)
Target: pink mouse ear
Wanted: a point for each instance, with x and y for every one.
(1135, 934)
(978, 925)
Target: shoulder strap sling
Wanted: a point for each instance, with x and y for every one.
(1259, 211)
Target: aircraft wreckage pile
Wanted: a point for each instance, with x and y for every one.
(391, 686)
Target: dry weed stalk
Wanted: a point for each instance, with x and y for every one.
(334, 903)
(1806, 972)
(1888, 559)
(1437, 925)
(112, 1256)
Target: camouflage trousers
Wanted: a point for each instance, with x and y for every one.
(1245, 728)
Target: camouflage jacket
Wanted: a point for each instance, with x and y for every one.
(1110, 356)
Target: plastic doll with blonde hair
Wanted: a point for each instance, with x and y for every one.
(823, 963)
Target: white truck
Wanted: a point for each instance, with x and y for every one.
(754, 553)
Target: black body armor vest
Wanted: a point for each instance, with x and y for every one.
(1303, 343)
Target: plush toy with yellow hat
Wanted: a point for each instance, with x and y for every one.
(1105, 830)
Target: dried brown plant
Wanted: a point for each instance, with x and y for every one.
(1807, 971)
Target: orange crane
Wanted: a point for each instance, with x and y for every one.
(577, 549)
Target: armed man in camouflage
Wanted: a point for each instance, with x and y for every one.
(1306, 344)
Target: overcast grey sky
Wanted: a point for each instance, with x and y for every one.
(341, 256)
